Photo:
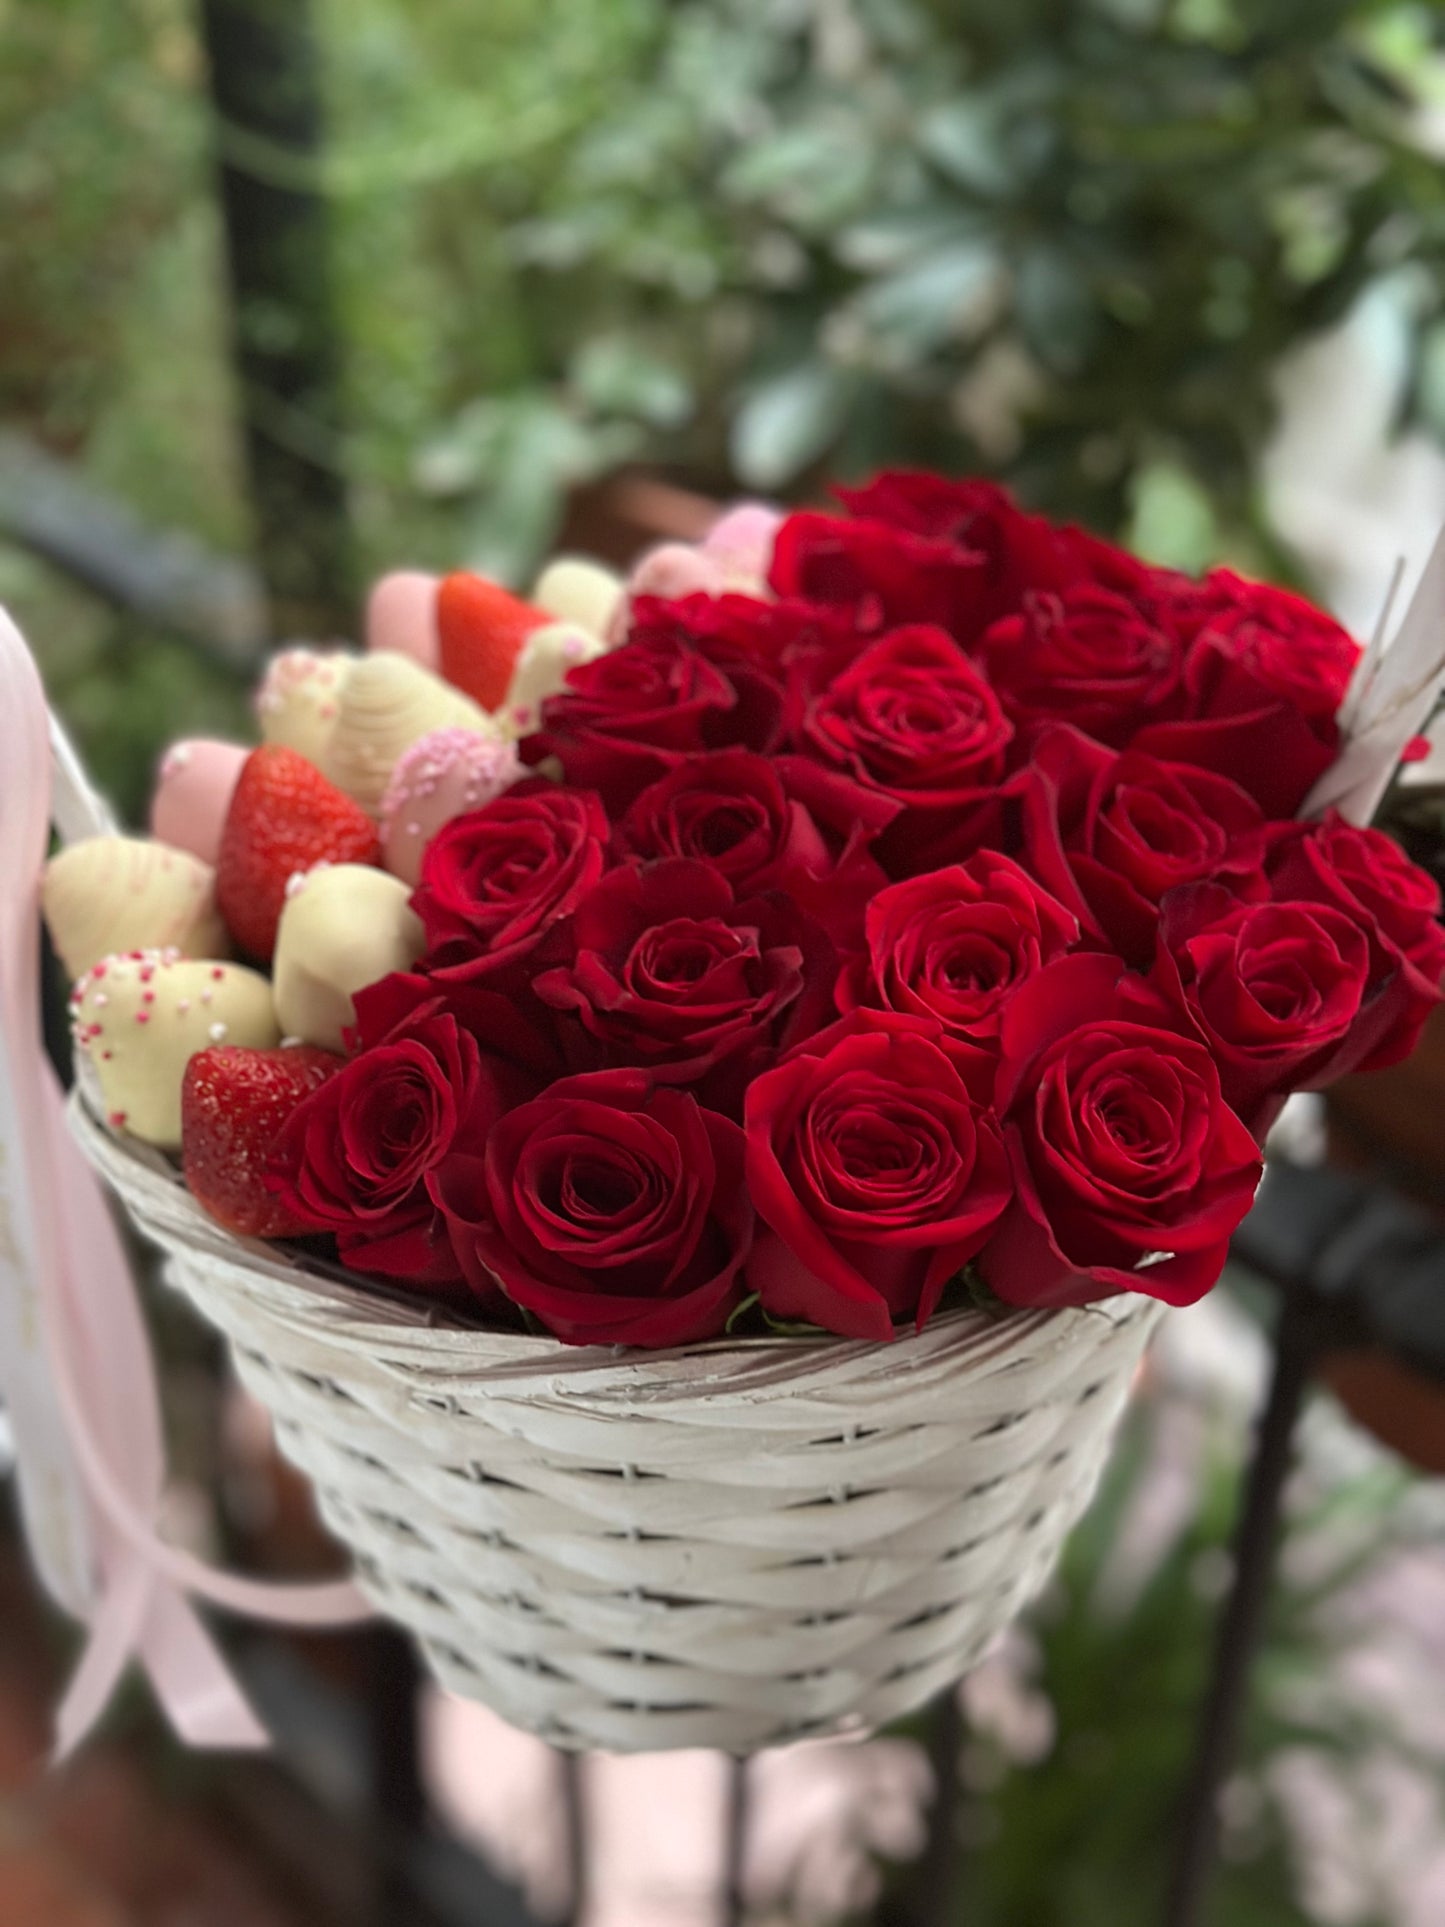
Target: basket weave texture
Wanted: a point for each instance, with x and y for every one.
(730, 1545)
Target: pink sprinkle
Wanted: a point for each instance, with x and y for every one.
(217, 975)
(117, 1120)
(106, 1055)
(142, 1016)
(98, 972)
(183, 1006)
(147, 972)
(148, 996)
(206, 996)
(100, 1000)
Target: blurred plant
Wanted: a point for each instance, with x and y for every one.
(97, 155)
(755, 242)
(1068, 243)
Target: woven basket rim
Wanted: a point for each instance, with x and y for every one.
(373, 1313)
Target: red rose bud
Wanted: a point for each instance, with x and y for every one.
(1264, 678)
(494, 881)
(1130, 1170)
(912, 720)
(1281, 992)
(954, 946)
(768, 824)
(876, 1172)
(628, 717)
(1109, 833)
(611, 1208)
(1085, 656)
(1393, 901)
(353, 1159)
(671, 973)
(921, 548)
(759, 645)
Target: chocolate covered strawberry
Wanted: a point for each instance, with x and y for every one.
(482, 628)
(284, 819)
(234, 1103)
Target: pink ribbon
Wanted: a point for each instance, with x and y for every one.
(84, 1407)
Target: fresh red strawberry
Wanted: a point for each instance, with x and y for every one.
(284, 818)
(233, 1104)
(482, 627)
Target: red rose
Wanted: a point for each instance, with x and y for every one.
(913, 720)
(1110, 832)
(691, 677)
(512, 1031)
(1019, 552)
(757, 642)
(612, 1208)
(670, 972)
(1264, 677)
(354, 1157)
(1281, 992)
(876, 1170)
(884, 577)
(1084, 656)
(1367, 877)
(768, 823)
(1130, 1170)
(493, 882)
(955, 945)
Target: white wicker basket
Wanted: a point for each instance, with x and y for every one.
(727, 1545)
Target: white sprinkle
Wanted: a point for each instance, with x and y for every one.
(216, 1033)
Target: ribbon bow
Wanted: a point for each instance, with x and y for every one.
(75, 1363)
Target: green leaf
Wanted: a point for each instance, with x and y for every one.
(792, 1327)
(950, 297)
(884, 242)
(617, 375)
(964, 139)
(740, 1311)
(1055, 311)
(788, 422)
(1173, 521)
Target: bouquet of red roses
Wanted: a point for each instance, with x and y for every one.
(906, 900)
(854, 915)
